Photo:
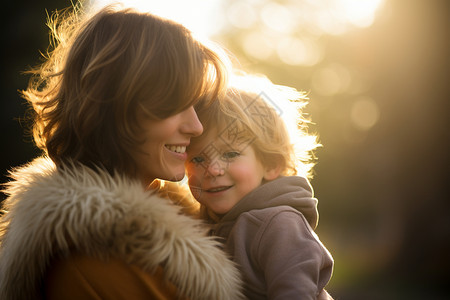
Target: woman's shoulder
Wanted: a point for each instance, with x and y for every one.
(99, 213)
(85, 277)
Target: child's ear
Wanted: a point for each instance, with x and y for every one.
(272, 173)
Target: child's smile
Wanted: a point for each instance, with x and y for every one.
(221, 179)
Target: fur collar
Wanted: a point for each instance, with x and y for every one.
(50, 211)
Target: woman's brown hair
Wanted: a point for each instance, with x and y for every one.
(103, 70)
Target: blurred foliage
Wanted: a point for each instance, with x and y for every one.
(378, 88)
(377, 76)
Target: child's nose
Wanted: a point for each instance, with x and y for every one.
(214, 169)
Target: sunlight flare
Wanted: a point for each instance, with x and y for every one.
(202, 17)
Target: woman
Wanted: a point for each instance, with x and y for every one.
(114, 111)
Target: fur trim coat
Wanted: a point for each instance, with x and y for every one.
(52, 212)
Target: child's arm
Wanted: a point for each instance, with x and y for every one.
(295, 263)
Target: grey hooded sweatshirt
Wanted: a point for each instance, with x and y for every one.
(270, 235)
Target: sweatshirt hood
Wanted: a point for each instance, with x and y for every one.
(293, 191)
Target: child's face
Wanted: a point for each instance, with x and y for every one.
(220, 174)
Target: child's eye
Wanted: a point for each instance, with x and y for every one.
(197, 160)
(231, 154)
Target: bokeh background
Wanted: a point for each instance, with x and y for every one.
(378, 77)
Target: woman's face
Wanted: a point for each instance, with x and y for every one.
(163, 153)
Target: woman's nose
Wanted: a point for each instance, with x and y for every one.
(192, 124)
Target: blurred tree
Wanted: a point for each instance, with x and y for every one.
(24, 35)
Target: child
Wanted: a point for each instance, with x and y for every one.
(248, 170)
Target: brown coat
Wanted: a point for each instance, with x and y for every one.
(84, 277)
(103, 237)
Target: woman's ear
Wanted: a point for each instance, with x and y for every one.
(272, 173)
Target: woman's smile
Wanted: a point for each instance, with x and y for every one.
(178, 151)
(163, 153)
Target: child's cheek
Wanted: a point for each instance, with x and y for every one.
(239, 170)
(192, 175)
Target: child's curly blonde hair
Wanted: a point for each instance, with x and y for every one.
(267, 117)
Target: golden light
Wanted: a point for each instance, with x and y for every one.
(364, 113)
(336, 17)
(331, 80)
(360, 13)
(258, 45)
(299, 52)
(202, 17)
(277, 17)
(290, 30)
(241, 15)
(327, 23)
